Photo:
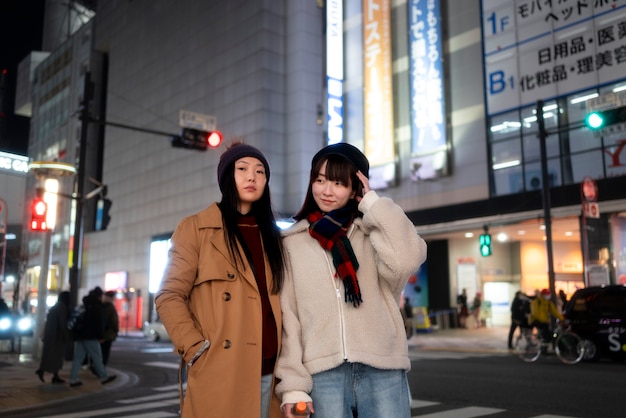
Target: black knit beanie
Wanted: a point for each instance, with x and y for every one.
(347, 151)
(235, 152)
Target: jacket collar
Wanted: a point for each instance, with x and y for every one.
(210, 217)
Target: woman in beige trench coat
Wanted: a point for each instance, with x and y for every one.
(219, 296)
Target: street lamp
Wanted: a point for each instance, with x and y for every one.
(47, 173)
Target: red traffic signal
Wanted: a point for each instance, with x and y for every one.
(198, 140)
(38, 213)
(214, 139)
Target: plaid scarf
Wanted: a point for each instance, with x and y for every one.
(330, 231)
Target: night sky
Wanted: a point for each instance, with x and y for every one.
(21, 28)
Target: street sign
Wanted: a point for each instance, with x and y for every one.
(607, 101)
(589, 190)
(197, 121)
(591, 210)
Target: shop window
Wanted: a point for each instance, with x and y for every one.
(586, 164)
(505, 126)
(506, 153)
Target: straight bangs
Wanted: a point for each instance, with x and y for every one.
(337, 169)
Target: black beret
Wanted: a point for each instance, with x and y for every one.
(347, 151)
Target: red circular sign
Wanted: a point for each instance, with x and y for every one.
(589, 190)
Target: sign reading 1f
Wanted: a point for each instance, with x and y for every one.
(497, 24)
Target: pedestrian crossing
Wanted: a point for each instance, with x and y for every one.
(451, 355)
(163, 403)
(160, 405)
(464, 412)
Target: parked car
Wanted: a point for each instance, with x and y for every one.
(13, 325)
(598, 316)
(155, 331)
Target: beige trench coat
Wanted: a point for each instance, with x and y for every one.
(204, 297)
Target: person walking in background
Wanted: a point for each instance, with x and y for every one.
(219, 295)
(520, 308)
(111, 325)
(55, 338)
(407, 315)
(87, 339)
(562, 300)
(462, 308)
(350, 254)
(476, 305)
(4, 308)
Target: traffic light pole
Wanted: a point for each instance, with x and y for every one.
(42, 291)
(545, 191)
(77, 246)
(4, 212)
(79, 228)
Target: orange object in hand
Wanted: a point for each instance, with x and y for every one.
(300, 409)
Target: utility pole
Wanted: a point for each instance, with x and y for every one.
(77, 247)
(79, 225)
(545, 191)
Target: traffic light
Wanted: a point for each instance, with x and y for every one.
(198, 140)
(485, 245)
(102, 214)
(602, 119)
(38, 213)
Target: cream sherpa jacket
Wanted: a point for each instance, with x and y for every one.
(321, 330)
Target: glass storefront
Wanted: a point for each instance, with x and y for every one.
(573, 151)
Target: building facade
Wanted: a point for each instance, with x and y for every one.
(411, 83)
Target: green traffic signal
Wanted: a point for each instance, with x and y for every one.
(485, 245)
(594, 120)
(602, 119)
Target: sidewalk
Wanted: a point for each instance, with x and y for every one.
(20, 387)
(491, 339)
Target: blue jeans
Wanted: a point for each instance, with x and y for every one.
(81, 349)
(371, 392)
(266, 394)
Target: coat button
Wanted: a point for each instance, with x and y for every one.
(226, 344)
(226, 296)
(231, 276)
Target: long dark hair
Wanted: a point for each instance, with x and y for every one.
(337, 169)
(264, 216)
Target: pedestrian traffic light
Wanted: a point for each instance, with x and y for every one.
(485, 245)
(38, 213)
(102, 214)
(198, 140)
(602, 118)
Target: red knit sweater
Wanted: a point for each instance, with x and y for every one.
(252, 238)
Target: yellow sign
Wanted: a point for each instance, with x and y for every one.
(378, 82)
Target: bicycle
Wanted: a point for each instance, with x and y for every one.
(568, 346)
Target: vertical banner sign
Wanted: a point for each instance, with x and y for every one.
(545, 49)
(377, 82)
(334, 70)
(428, 122)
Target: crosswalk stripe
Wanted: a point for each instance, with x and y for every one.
(416, 403)
(158, 350)
(163, 364)
(156, 397)
(469, 412)
(117, 410)
(166, 388)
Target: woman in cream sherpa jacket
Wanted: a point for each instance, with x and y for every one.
(322, 333)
